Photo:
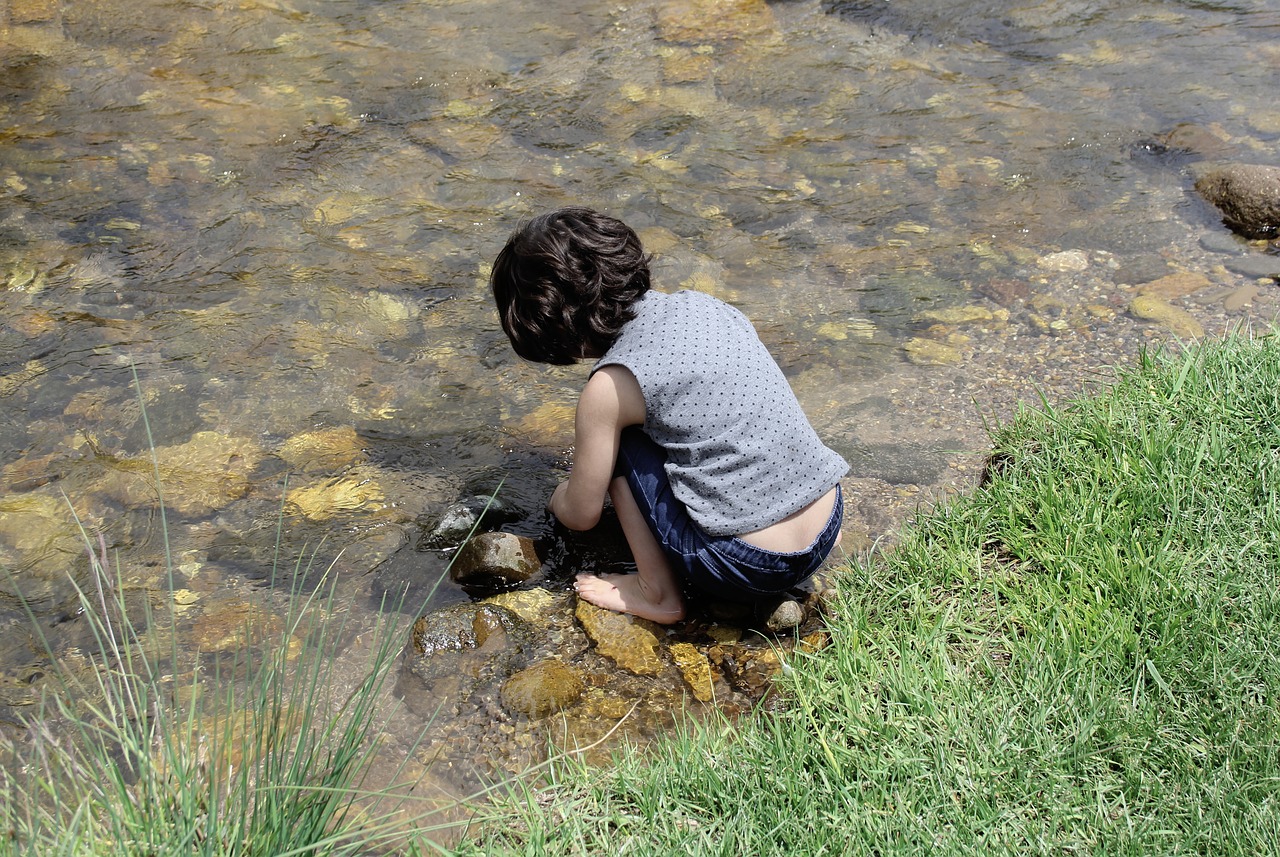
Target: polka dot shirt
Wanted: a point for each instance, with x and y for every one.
(741, 454)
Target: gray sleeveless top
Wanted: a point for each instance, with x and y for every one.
(741, 454)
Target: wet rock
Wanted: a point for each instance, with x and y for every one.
(472, 640)
(321, 501)
(1142, 269)
(40, 543)
(927, 352)
(1256, 266)
(1195, 139)
(34, 11)
(629, 642)
(197, 477)
(713, 20)
(1240, 298)
(787, 614)
(370, 551)
(1248, 195)
(544, 688)
(1066, 262)
(895, 463)
(232, 624)
(1005, 292)
(531, 605)
(695, 668)
(1224, 242)
(323, 450)
(493, 561)
(751, 670)
(550, 423)
(1174, 286)
(1177, 321)
(460, 519)
(957, 315)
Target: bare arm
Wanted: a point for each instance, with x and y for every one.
(610, 402)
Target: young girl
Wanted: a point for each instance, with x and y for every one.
(687, 423)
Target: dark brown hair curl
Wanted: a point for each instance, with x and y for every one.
(565, 283)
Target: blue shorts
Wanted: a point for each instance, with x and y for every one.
(725, 567)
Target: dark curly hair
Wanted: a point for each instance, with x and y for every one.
(565, 283)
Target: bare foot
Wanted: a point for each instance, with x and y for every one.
(626, 593)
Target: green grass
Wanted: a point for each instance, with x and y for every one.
(1080, 657)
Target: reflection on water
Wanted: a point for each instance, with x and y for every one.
(280, 214)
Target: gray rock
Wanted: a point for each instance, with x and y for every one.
(788, 614)
(460, 519)
(1256, 265)
(1224, 242)
(1248, 195)
(495, 561)
(1142, 269)
(895, 463)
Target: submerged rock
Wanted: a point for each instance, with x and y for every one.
(197, 477)
(321, 501)
(927, 352)
(714, 20)
(544, 688)
(696, 670)
(1177, 321)
(629, 642)
(1174, 286)
(327, 449)
(1248, 195)
(471, 641)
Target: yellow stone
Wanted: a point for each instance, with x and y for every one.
(696, 670)
(322, 501)
(532, 605)
(629, 642)
(724, 634)
(906, 227)
(713, 20)
(658, 239)
(34, 11)
(551, 422)
(833, 330)
(1177, 321)
(1176, 286)
(323, 450)
(957, 315)
(926, 352)
(11, 383)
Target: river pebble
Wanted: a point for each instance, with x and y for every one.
(1177, 321)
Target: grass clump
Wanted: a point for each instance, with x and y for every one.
(142, 754)
(1078, 657)
(154, 751)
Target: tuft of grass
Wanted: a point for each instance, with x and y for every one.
(145, 755)
(1079, 657)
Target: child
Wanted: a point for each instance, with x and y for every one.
(686, 423)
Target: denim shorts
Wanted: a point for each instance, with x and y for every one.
(725, 567)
